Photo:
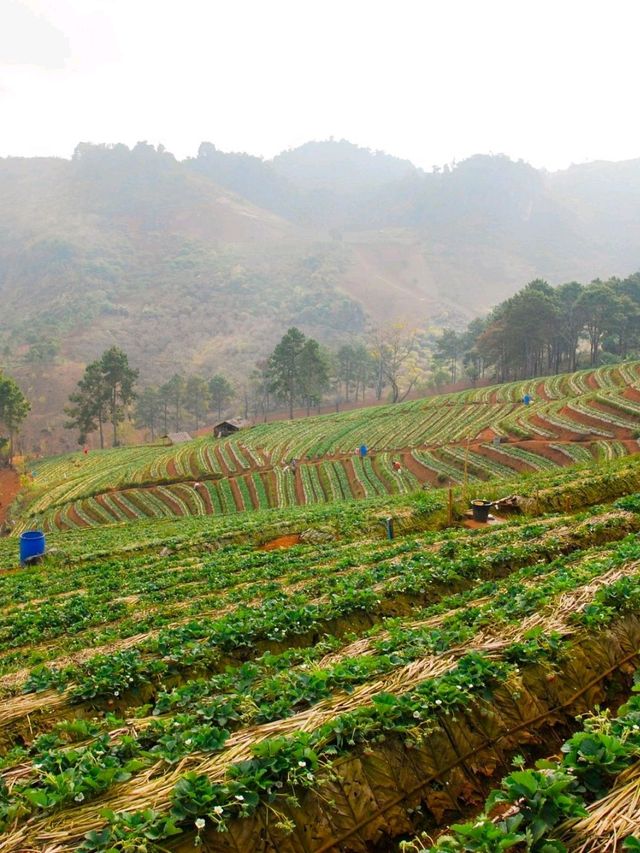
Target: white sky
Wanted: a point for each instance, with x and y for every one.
(431, 80)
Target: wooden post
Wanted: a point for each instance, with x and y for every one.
(466, 468)
(450, 505)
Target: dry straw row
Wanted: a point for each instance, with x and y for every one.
(610, 819)
(153, 788)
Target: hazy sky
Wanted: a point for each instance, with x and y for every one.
(430, 80)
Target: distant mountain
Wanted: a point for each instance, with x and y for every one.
(341, 167)
(202, 264)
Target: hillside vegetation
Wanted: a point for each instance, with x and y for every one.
(203, 263)
(470, 436)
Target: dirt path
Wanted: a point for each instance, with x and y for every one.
(297, 479)
(357, 490)
(251, 486)
(237, 495)
(420, 472)
(226, 472)
(9, 488)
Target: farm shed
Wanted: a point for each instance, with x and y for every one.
(225, 428)
(172, 438)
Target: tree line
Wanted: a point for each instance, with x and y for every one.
(539, 331)
(167, 407)
(544, 330)
(299, 372)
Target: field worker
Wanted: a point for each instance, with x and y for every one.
(397, 466)
(363, 450)
(526, 399)
(85, 451)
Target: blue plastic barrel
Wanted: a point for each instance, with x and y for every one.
(32, 544)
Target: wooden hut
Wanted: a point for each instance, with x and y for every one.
(225, 428)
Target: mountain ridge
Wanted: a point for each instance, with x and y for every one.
(201, 264)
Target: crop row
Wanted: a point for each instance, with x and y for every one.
(250, 607)
(588, 405)
(415, 678)
(326, 481)
(569, 803)
(549, 491)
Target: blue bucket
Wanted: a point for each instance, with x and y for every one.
(32, 544)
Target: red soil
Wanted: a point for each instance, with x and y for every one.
(591, 382)
(487, 434)
(223, 465)
(168, 499)
(122, 506)
(281, 542)
(172, 471)
(252, 491)
(420, 472)
(100, 499)
(297, 479)
(92, 513)
(542, 448)
(611, 410)
(560, 433)
(586, 420)
(357, 489)
(518, 465)
(540, 392)
(74, 518)
(632, 393)
(203, 491)
(472, 524)
(237, 496)
(9, 488)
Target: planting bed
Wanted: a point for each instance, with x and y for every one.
(328, 696)
(224, 651)
(590, 415)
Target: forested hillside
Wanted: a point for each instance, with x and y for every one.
(202, 264)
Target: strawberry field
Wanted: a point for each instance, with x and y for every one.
(167, 685)
(477, 435)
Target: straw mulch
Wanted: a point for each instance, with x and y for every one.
(153, 787)
(610, 819)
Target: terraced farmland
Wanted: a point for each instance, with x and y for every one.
(472, 436)
(165, 684)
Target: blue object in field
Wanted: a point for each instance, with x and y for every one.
(363, 450)
(526, 399)
(32, 544)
